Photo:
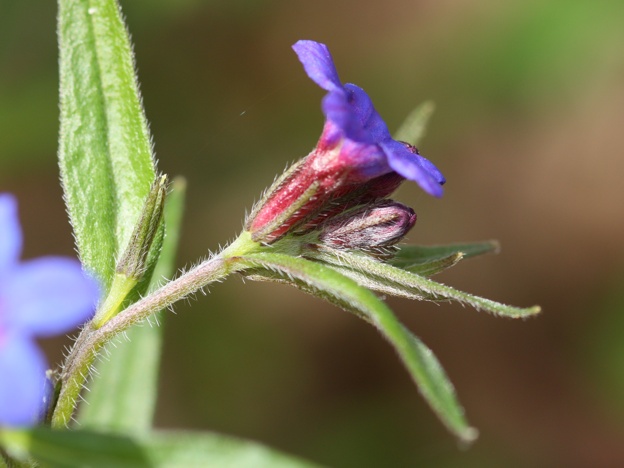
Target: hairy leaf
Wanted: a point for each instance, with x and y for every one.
(410, 256)
(171, 449)
(382, 277)
(104, 146)
(422, 365)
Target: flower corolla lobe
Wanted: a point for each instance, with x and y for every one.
(353, 122)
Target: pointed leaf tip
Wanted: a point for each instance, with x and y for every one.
(424, 368)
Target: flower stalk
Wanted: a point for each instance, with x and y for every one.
(91, 340)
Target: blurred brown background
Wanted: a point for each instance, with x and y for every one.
(528, 131)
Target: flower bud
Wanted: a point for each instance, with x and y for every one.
(371, 227)
(311, 190)
(132, 264)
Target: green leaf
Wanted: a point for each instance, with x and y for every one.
(422, 365)
(386, 278)
(381, 285)
(412, 130)
(419, 254)
(436, 266)
(122, 394)
(429, 260)
(64, 448)
(104, 148)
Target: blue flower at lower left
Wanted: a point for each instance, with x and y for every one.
(41, 297)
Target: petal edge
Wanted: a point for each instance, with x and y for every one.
(22, 387)
(318, 64)
(49, 295)
(10, 232)
(414, 167)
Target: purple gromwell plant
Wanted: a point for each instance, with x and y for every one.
(326, 226)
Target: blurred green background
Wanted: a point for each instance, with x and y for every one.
(528, 131)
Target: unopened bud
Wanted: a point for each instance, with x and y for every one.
(132, 265)
(371, 227)
(133, 262)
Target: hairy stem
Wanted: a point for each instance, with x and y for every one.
(91, 340)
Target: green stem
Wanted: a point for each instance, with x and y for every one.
(91, 340)
(120, 288)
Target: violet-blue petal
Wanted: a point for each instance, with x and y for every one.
(370, 160)
(47, 296)
(338, 108)
(318, 64)
(373, 127)
(354, 114)
(22, 382)
(413, 167)
(10, 232)
(432, 170)
(339, 113)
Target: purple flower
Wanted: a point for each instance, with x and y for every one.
(355, 161)
(38, 298)
(354, 127)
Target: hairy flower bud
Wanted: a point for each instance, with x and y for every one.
(371, 227)
(132, 263)
(313, 189)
